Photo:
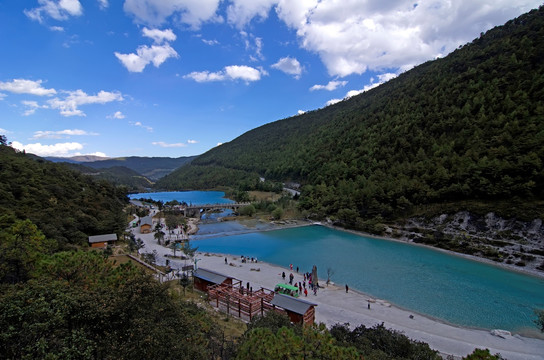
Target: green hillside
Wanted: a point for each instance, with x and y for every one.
(151, 167)
(64, 204)
(462, 132)
(118, 175)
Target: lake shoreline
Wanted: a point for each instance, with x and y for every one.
(336, 306)
(287, 224)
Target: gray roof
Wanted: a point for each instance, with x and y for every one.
(102, 238)
(210, 276)
(290, 303)
(146, 220)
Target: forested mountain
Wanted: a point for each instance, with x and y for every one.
(464, 131)
(64, 204)
(151, 167)
(118, 175)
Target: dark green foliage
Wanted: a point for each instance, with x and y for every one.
(65, 205)
(465, 131)
(118, 175)
(79, 306)
(480, 354)
(539, 321)
(312, 343)
(151, 167)
(381, 343)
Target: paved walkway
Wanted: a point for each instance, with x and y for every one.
(337, 306)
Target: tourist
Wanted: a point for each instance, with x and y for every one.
(347, 288)
(225, 261)
(283, 275)
(305, 292)
(297, 269)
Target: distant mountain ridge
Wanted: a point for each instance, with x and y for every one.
(457, 133)
(152, 168)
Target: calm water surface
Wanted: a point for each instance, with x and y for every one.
(190, 197)
(447, 287)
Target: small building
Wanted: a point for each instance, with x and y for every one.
(299, 311)
(204, 278)
(146, 224)
(101, 241)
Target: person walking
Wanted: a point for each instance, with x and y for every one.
(347, 288)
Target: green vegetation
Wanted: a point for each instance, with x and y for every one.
(150, 167)
(459, 133)
(539, 321)
(118, 175)
(79, 305)
(64, 204)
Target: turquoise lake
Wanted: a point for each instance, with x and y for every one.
(447, 287)
(190, 197)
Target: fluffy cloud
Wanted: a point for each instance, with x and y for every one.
(31, 107)
(139, 124)
(332, 85)
(166, 145)
(157, 53)
(230, 73)
(58, 10)
(156, 12)
(59, 149)
(103, 4)
(382, 78)
(159, 36)
(62, 134)
(116, 115)
(353, 36)
(241, 12)
(22, 86)
(289, 66)
(69, 106)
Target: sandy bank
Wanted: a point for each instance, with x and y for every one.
(337, 306)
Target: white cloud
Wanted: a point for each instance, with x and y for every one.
(56, 28)
(382, 78)
(241, 12)
(69, 106)
(32, 106)
(62, 134)
(332, 85)
(58, 10)
(59, 149)
(156, 12)
(139, 124)
(231, 73)
(4, 131)
(192, 141)
(210, 42)
(300, 112)
(116, 115)
(165, 145)
(156, 54)
(333, 101)
(22, 86)
(159, 36)
(289, 66)
(352, 36)
(103, 4)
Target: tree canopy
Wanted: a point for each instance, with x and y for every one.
(461, 129)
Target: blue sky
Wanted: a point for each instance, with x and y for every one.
(178, 77)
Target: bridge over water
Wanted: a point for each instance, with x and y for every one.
(198, 210)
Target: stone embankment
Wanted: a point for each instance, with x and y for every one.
(508, 241)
